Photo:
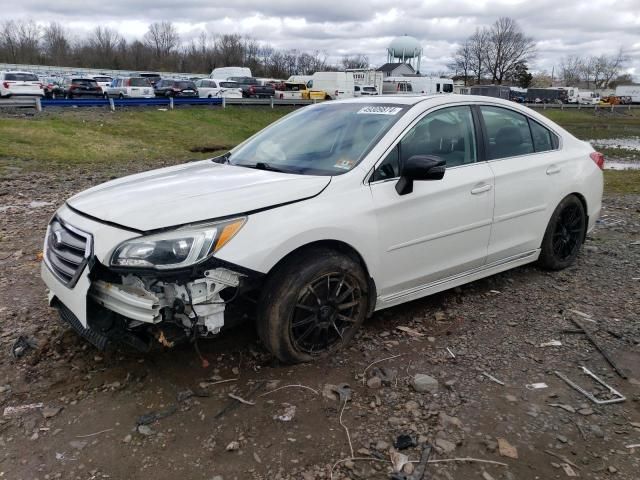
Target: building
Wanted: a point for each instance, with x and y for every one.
(396, 69)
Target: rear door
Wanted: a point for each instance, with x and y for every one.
(527, 166)
(442, 228)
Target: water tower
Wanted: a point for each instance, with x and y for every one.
(405, 49)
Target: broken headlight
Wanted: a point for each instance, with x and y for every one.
(177, 248)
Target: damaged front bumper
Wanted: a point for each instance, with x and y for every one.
(139, 307)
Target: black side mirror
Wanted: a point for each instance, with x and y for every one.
(420, 167)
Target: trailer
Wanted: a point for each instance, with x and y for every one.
(547, 95)
(632, 91)
(496, 91)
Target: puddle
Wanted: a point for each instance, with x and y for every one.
(630, 143)
(616, 165)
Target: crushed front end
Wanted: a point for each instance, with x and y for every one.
(115, 285)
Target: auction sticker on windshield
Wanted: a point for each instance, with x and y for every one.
(380, 110)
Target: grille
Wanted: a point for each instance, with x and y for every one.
(67, 251)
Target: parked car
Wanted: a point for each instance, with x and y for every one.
(152, 77)
(175, 88)
(212, 88)
(20, 84)
(52, 87)
(372, 203)
(77, 87)
(129, 87)
(364, 90)
(252, 88)
(103, 81)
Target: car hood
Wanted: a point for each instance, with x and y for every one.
(192, 192)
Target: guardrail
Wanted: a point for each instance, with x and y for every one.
(169, 102)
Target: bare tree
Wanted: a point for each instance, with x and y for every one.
(461, 64)
(162, 38)
(55, 45)
(507, 47)
(478, 53)
(571, 69)
(9, 41)
(609, 66)
(229, 50)
(355, 61)
(588, 70)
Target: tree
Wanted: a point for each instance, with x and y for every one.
(461, 64)
(571, 70)
(162, 38)
(507, 46)
(624, 79)
(55, 45)
(355, 61)
(520, 75)
(479, 44)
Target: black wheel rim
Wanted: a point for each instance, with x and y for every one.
(568, 232)
(327, 308)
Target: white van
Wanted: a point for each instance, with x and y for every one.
(226, 72)
(588, 98)
(213, 88)
(426, 85)
(391, 86)
(335, 84)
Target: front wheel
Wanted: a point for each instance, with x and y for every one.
(564, 235)
(312, 306)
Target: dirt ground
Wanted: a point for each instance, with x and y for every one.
(93, 401)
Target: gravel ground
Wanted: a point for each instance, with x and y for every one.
(91, 423)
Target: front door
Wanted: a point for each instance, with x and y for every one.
(442, 228)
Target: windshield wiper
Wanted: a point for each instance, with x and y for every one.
(266, 166)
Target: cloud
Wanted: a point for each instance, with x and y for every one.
(338, 27)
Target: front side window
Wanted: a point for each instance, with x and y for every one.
(507, 131)
(447, 133)
(325, 139)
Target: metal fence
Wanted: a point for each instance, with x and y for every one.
(168, 102)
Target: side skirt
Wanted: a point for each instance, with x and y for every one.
(456, 280)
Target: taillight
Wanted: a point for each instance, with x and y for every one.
(598, 158)
(337, 91)
(5, 84)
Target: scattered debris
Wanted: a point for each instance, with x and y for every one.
(410, 331)
(210, 384)
(635, 445)
(582, 314)
(289, 413)
(149, 418)
(364, 373)
(241, 400)
(617, 396)
(22, 345)
(398, 460)
(233, 446)
(12, 412)
(562, 457)
(568, 470)
(234, 403)
(601, 349)
(450, 353)
(405, 441)
(145, 430)
(94, 434)
(567, 408)
(188, 393)
(290, 386)
(492, 378)
(344, 392)
(552, 343)
(50, 412)
(536, 386)
(506, 449)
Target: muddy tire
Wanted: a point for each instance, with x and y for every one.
(564, 235)
(312, 305)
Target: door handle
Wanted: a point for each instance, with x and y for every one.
(481, 189)
(553, 169)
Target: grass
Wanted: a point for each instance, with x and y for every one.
(70, 138)
(151, 137)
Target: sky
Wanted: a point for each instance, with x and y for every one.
(339, 27)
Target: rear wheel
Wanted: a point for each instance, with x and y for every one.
(564, 235)
(312, 306)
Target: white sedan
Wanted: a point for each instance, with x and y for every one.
(333, 212)
(213, 88)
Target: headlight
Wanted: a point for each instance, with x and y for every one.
(178, 248)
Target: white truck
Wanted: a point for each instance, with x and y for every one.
(336, 84)
(587, 98)
(632, 91)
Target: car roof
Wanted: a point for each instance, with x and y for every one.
(436, 98)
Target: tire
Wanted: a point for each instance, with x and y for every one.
(312, 305)
(121, 97)
(564, 235)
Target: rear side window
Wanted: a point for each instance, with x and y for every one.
(508, 133)
(139, 82)
(543, 139)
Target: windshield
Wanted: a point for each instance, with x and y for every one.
(229, 84)
(184, 85)
(326, 139)
(84, 82)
